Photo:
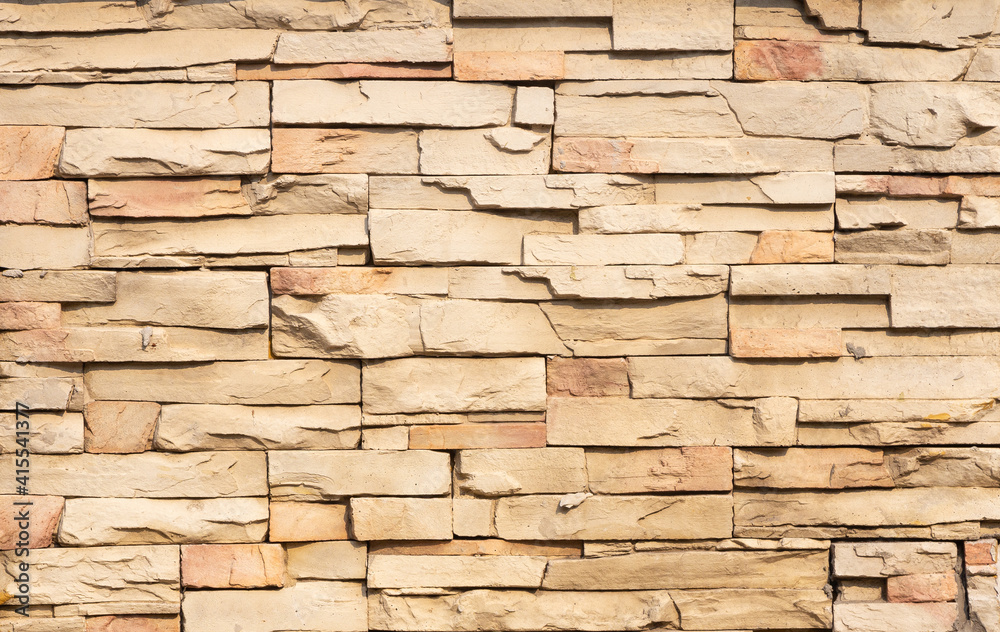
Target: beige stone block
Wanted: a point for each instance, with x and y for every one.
(327, 560)
(954, 296)
(455, 571)
(736, 608)
(490, 151)
(785, 343)
(604, 282)
(620, 421)
(187, 427)
(871, 378)
(56, 286)
(28, 315)
(895, 617)
(219, 300)
(322, 475)
(143, 575)
(166, 197)
(979, 212)
(716, 248)
(901, 433)
(472, 517)
(985, 67)
(127, 51)
(319, 281)
(477, 435)
(804, 468)
(844, 61)
(417, 45)
(405, 420)
(676, 25)
(534, 105)
(796, 109)
(106, 521)
(486, 328)
(529, 9)
(976, 247)
(291, 195)
(388, 438)
(791, 187)
(232, 565)
(684, 114)
(835, 14)
(170, 105)
(478, 547)
(370, 150)
(70, 16)
(809, 312)
(503, 472)
(41, 393)
(521, 611)
(587, 377)
(29, 153)
(855, 214)
(474, 282)
(414, 385)
(644, 65)
(532, 35)
(38, 530)
(922, 588)
(229, 236)
(696, 156)
(685, 517)
(802, 279)
(267, 382)
(695, 218)
(121, 623)
(401, 518)
(787, 246)
(65, 246)
(536, 65)
(120, 427)
(154, 152)
(867, 508)
(601, 250)
(701, 469)
(894, 410)
(981, 593)
(898, 114)
(307, 522)
(924, 23)
(43, 202)
(963, 158)
(691, 569)
(907, 247)
(317, 605)
(372, 102)
(52, 433)
(270, 72)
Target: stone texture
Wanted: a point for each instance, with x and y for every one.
(785, 343)
(371, 150)
(679, 25)
(29, 153)
(603, 250)
(401, 518)
(801, 110)
(424, 45)
(497, 150)
(701, 469)
(289, 194)
(695, 218)
(900, 112)
(43, 202)
(485, 328)
(52, 433)
(334, 606)
(232, 565)
(307, 522)
(779, 188)
(432, 571)
(59, 286)
(327, 560)
(69, 247)
(478, 435)
(28, 315)
(922, 588)
(587, 377)
(906, 247)
(958, 26)
(503, 472)
(890, 617)
(316, 475)
(44, 514)
(786, 246)
(166, 197)
(950, 297)
(791, 280)
(120, 427)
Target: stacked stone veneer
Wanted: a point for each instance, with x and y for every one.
(511, 315)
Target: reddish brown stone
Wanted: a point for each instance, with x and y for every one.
(509, 66)
(307, 522)
(981, 552)
(762, 60)
(44, 202)
(119, 427)
(43, 520)
(29, 152)
(29, 315)
(473, 436)
(134, 623)
(922, 588)
(587, 377)
(598, 155)
(232, 565)
(785, 343)
(167, 197)
(270, 72)
(793, 246)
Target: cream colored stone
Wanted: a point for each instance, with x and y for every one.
(446, 571)
(172, 105)
(735, 608)
(532, 35)
(368, 280)
(305, 606)
(344, 326)
(891, 559)
(675, 25)
(388, 438)
(493, 282)
(789, 246)
(327, 560)
(835, 14)
(955, 296)
(800, 468)
(29, 152)
(894, 213)
(472, 517)
(895, 617)
(534, 105)
(925, 23)
(497, 150)
(809, 313)
(454, 385)
(521, 611)
(289, 194)
(477, 435)
(149, 475)
(780, 188)
(229, 236)
(401, 518)
(307, 522)
(45, 202)
(70, 16)
(620, 421)
(785, 343)
(503, 472)
(975, 247)
(65, 246)
(52, 433)
(730, 248)
(907, 247)
(803, 279)
(879, 158)
(683, 115)
(459, 237)
(120, 427)
(537, 65)
(615, 518)
(603, 250)
(529, 9)
(105, 521)
(322, 475)
(41, 392)
(166, 197)
(143, 575)
(691, 569)
(486, 328)
(412, 46)
(901, 433)
(979, 212)
(552, 191)
(268, 382)
(695, 218)
(706, 468)
(607, 282)
(346, 150)
(220, 300)
(796, 109)
(925, 115)
(892, 410)
(152, 152)
(981, 594)
(372, 102)
(663, 65)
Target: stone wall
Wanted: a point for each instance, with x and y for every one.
(506, 315)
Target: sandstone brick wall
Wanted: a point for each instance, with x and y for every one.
(500, 315)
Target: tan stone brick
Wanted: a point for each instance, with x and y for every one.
(27, 315)
(432, 571)
(43, 202)
(785, 343)
(472, 517)
(334, 606)
(779, 188)
(701, 469)
(327, 560)
(922, 588)
(120, 427)
(371, 150)
(489, 151)
(981, 552)
(889, 617)
(66, 247)
(58, 286)
(269, 72)
(319, 281)
(401, 518)
(586, 377)
(797, 109)
(51, 433)
(497, 472)
(232, 565)
(906, 247)
(481, 435)
(167, 197)
(29, 153)
(417, 45)
(537, 65)
(802, 468)
(602, 250)
(785, 246)
(38, 531)
(675, 25)
(315, 474)
(926, 24)
(307, 522)
(133, 623)
(804, 279)
(639, 65)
